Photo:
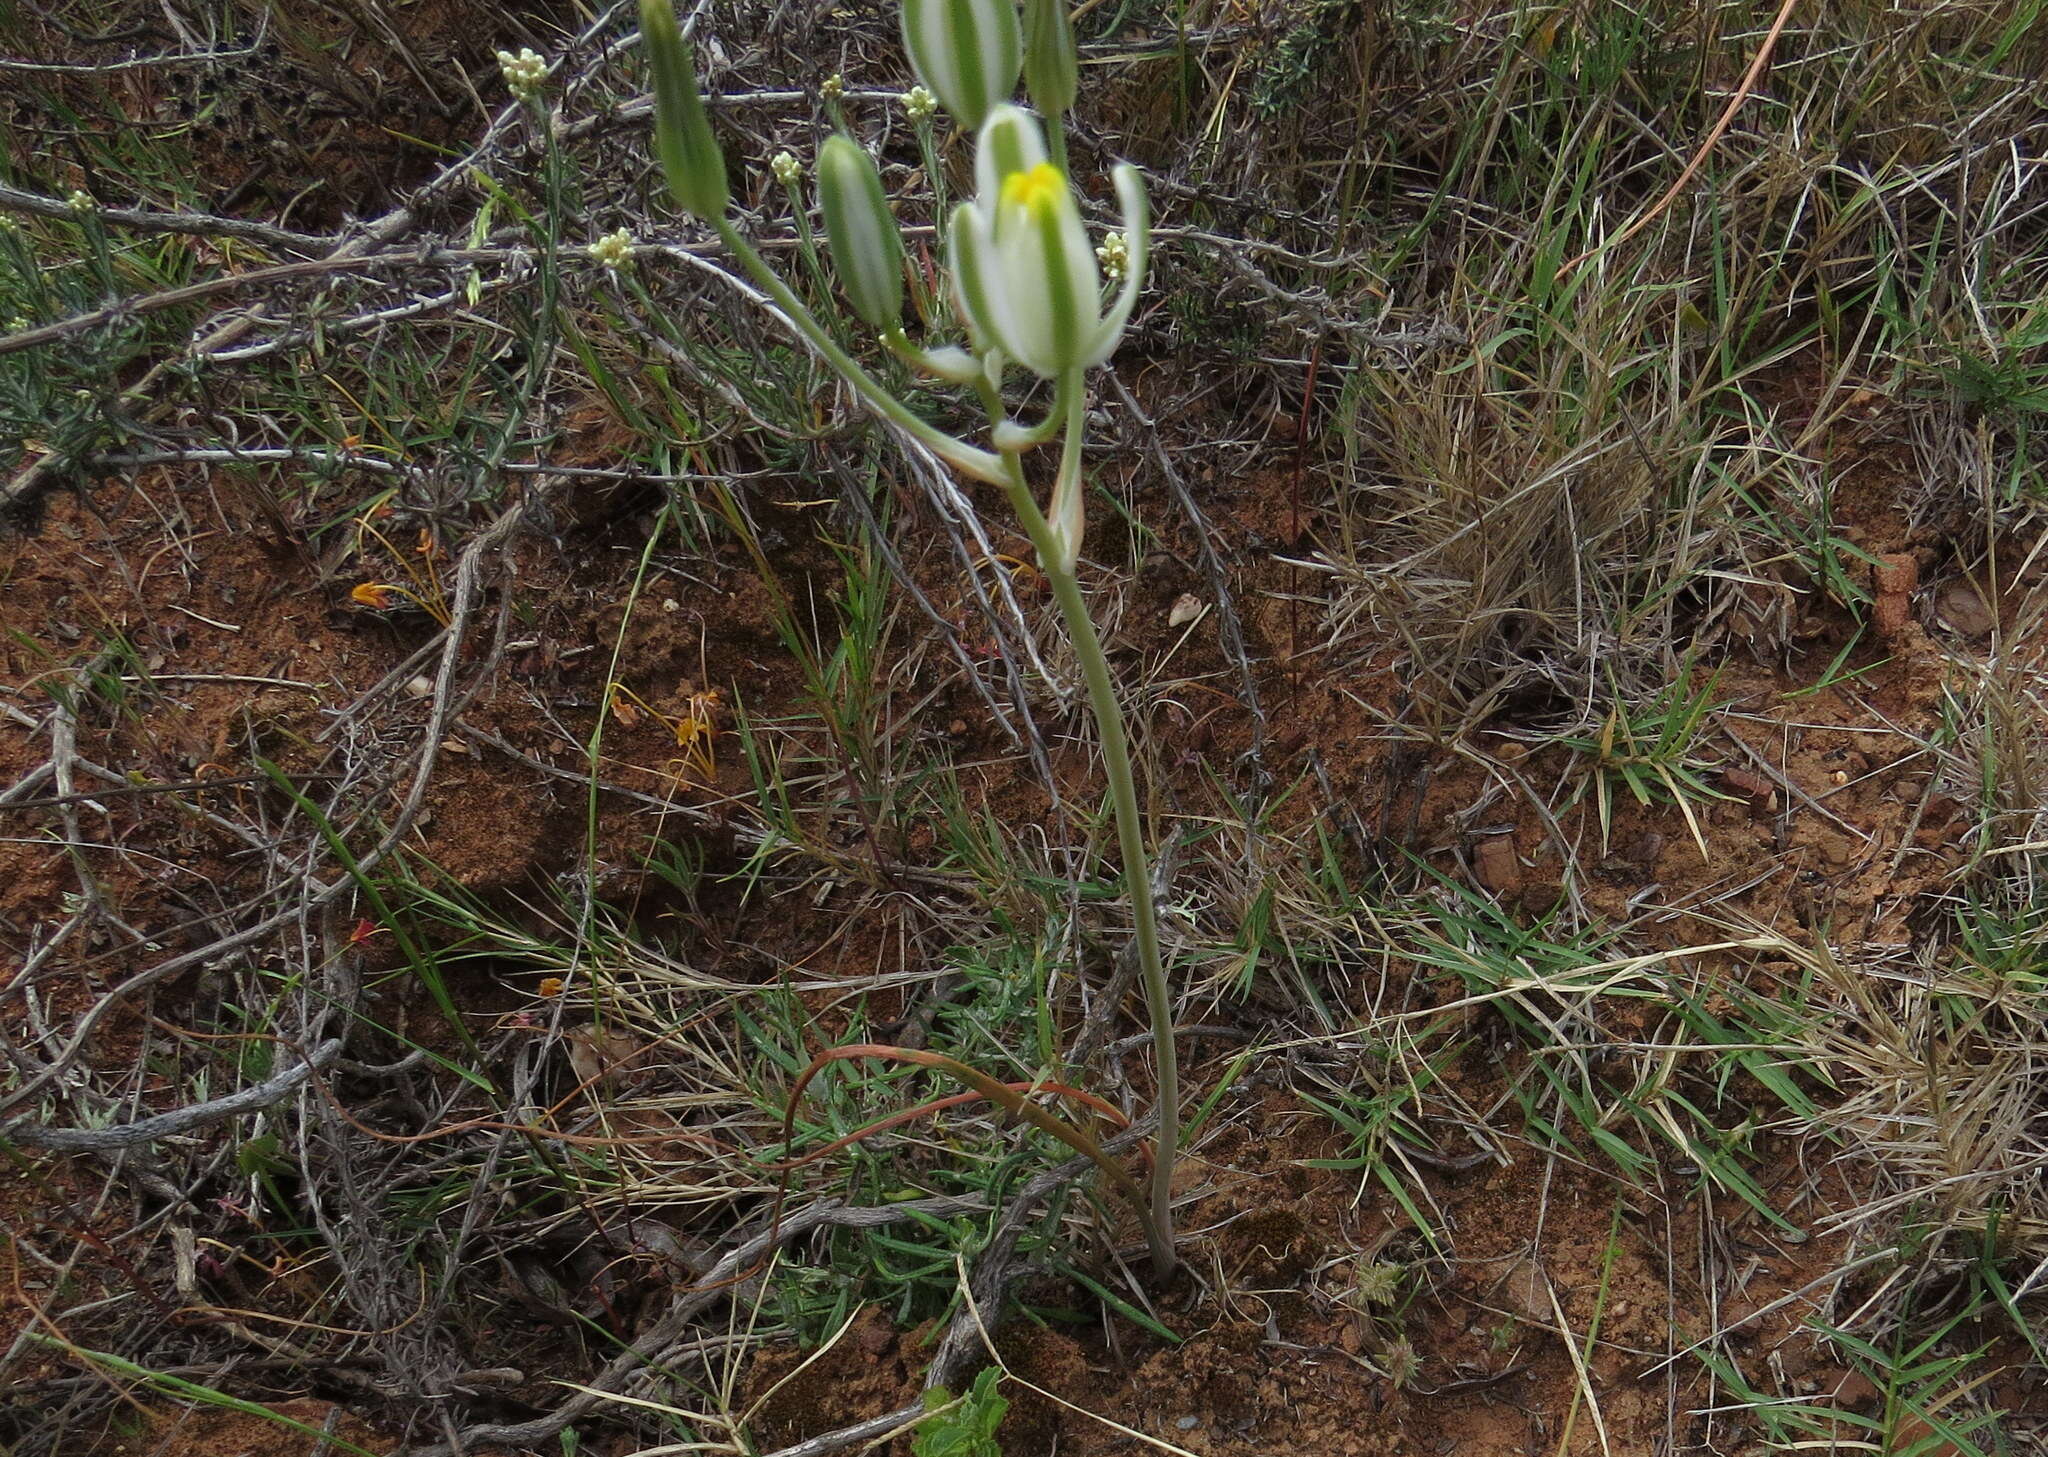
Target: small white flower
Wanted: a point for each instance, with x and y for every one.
(614, 250)
(81, 201)
(524, 73)
(833, 87)
(1114, 254)
(786, 168)
(919, 104)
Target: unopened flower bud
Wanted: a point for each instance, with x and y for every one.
(919, 104)
(968, 52)
(614, 250)
(524, 72)
(1114, 254)
(81, 201)
(1052, 67)
(867, 249)
(689, 153)
(832, 87)
(786, 168)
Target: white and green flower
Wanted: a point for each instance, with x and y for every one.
(1028, 280)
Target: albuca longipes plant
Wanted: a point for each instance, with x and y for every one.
(1028, 288)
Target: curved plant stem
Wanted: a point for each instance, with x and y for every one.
(1057, 561)
(996, 1092)
(974, 461)
(939, 1105)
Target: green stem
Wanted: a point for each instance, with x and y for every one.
(807, 243)
(928, 153)
(967, 458)
(1058, 563)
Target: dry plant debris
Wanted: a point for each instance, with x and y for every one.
(480, 712)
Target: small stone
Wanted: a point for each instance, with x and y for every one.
(420, 687)
(1498, 867)
(1526, 1290)
(1963, 610)
(1186, 608)
(1750, 786)
(1188, 1424)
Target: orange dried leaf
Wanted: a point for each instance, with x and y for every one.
(374, 594)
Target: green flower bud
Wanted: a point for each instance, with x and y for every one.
(967, 52)
(1114, 254)
(867, 250)
(1052, 66)
(614, 250)
(689, 153)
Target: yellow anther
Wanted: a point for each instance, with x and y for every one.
(1034, 187)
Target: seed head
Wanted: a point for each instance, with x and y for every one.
(1379, 1284)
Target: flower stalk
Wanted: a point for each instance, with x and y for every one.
(1027, 283)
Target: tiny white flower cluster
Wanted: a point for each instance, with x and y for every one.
(614, 249)
(919, 104)
(81, 201)
(833, 87)
(786, 168)
(524, 73)
(1114, 254)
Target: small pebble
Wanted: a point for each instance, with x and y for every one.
(420, 687)
(1188, 1424)
(1963, 610)
(1498, 867)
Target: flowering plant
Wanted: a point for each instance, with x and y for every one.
(1028, 287)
